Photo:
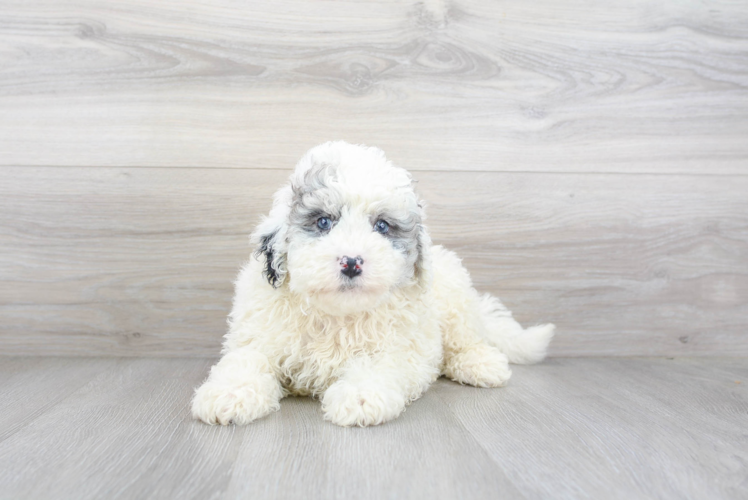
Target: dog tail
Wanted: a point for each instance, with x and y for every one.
(521, 346)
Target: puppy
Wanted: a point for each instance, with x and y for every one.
(348, 301)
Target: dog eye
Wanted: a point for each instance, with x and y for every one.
(324, 223)
(381, 227)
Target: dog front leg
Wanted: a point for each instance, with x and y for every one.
(241, 388)
(374, 390)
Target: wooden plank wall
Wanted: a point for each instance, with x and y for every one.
(588, 161)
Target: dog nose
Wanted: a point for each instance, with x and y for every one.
(351, 267)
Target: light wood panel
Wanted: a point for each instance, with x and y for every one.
(567, 428)
(20, 378)
(425, 453)
(121, 424)
(129, 435)
(119, 261)
(639, 86)
(604, 428)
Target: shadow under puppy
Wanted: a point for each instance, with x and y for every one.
(349, 301)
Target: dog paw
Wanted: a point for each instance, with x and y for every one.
(221, 404)
(346, 404)
(479, 366)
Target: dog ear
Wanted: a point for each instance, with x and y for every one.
(269, 240)
(274, 270)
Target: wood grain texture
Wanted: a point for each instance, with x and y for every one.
(568, 428)
(140, 261)
(604, 428)
(640, 86)
(58, 377)
(117, 426)
(423, 454)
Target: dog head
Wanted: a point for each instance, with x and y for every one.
(346, 231)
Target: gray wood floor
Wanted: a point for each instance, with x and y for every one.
(568, 428)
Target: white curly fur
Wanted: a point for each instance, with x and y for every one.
(369, 345)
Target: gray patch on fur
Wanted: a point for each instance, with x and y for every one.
(403, 233)
(306, 206)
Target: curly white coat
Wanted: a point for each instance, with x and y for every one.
(365, 345)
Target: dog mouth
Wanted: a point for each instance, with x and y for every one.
(351, 285)
(358, 286)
